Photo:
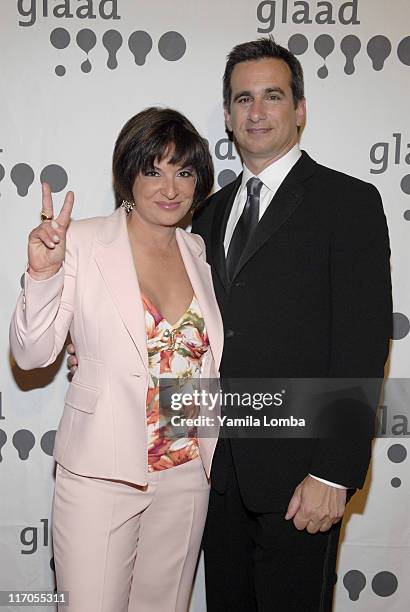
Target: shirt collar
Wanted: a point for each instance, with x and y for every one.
(275, 173)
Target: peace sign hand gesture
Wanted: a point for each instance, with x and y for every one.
(46, 242)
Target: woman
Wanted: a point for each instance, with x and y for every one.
(136, 295)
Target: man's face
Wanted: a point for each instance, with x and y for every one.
(262, 113)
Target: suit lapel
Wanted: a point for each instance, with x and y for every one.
(114, 258)
(199, 273)
(284, 203)
(115, 261)
(222, 212)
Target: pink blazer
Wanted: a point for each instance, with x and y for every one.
(95, 296)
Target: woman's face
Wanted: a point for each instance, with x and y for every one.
(164, 195)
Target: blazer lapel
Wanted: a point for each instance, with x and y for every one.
(284, 203)
(200, 275)
(115, 261)
(222, 212)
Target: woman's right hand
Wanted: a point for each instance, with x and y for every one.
(46, 242)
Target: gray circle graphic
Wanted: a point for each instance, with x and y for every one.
(172, 46)
(3, 440)
(23, 441)
(401, 326)
(397, 453)
(384, 584)
(86, 40)
(395, 483)
(324, 45)
(112, 41)
(354, 581)
(60, 38)
(405, 184)
(378, 49)
(350, 46)
(60, 70)
(2, 172)
(55, 176)
(298, 44)
(225, 177)
(406, 215)
(22, 176)
(47, 442)
(403, 51)
(140, 44)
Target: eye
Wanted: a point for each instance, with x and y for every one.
(244, 100)
(186, 173)
(274, 96)
(150, 173)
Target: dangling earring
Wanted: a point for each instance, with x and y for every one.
(128, 206)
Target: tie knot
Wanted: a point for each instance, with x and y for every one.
(254, 186)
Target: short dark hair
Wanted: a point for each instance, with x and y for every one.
(147, 137)
(263, 48)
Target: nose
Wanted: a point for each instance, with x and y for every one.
(169, 188)
(257, 110)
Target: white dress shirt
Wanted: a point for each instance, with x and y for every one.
(272, 178)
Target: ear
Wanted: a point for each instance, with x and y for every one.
(301, 112)
(227, 116)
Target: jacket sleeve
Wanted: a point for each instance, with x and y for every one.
(361, 328)
(43, 315)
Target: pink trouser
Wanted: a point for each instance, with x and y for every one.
(123, 548)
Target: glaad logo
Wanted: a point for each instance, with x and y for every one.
(225, 150)
(28, 10)
(383, 154)
(379, 154)
(384, 584)
(324, 13)
(378, 49)
(29, 537)
(33, 537)
(22, 176)
(171, 46)
(24, 441)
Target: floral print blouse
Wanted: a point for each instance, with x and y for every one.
(174, 352)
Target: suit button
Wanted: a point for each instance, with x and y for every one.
(229, 333)
(240, 284)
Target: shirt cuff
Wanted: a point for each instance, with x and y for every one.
(331, 484)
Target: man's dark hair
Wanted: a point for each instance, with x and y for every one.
(263, 48)
(148, 137)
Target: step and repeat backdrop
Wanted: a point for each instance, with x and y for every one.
(72, 72)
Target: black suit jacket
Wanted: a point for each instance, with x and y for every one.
(311, 297)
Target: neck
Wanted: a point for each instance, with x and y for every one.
(143, 233)
(258, 164)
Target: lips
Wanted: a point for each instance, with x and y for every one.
(258, 130)
(168, 205)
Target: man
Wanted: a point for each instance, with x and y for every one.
(300, 262)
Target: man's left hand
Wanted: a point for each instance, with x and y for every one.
(316, 506)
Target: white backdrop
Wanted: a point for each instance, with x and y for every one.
(72, 72)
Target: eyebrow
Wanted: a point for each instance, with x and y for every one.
(267, 90)
(186, 166)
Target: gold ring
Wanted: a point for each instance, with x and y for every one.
(43, 217)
